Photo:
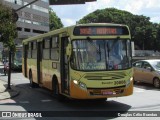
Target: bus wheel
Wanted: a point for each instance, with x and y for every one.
(156, 83)
(56, 93)
(32, 84)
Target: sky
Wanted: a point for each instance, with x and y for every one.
(69, 14)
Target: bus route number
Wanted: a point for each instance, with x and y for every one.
(119, 82)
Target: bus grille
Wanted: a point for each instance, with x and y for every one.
(105, 76)
(106, 92)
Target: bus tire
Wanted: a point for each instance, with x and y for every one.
(32, 84)
(56, 93)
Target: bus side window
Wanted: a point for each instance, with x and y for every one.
(29, 50)
(34, 50)
(46, 48)
(55, 48)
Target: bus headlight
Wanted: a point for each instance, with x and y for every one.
(129, 81)
(82, 85)
(75, 82)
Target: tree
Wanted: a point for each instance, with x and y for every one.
(158, 37)
(54, 21)
(143, 32)
(7, 26)
(8, 32)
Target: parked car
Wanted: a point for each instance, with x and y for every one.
(147, 71)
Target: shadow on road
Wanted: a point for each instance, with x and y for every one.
(41, 100)
(145, 86)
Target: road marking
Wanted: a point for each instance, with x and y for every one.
(46, 100)
(138, 90)
(7, 101)
(24, 102)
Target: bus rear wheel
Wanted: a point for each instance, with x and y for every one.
(56, 92)
(32, 84)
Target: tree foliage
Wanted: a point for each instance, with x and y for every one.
(8, 30)
(54, 20)
(145, 34)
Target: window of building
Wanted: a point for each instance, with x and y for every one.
(45, 1)
(40, 8)
(40, 23)
(27, 30)
(34, 23)
(18, 2)
(25, 3)
(19, 28)
(28, 21)
(38, 31)
(20, 20)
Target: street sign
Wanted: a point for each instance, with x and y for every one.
(65, 2)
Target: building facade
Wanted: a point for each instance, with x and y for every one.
(33, 19)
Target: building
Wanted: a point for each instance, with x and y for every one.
(33, 19)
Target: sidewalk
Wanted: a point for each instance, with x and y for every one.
(7, 93)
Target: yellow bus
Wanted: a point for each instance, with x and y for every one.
(85, 61)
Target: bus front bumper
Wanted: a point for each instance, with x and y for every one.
(80, 92)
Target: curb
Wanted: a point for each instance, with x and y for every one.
(7, 93)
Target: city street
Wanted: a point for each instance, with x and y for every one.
(84, 49)
(144, 98)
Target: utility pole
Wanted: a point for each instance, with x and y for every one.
(9, 70)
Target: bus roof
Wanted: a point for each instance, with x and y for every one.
(62, 30)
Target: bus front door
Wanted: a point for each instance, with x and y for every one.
(39, 62)
(64, 66)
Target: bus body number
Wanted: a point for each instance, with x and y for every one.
(119, 82)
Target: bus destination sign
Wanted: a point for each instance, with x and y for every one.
(94, 30)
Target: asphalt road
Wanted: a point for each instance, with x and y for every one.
(144, 98)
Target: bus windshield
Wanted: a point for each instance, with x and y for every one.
(92, 55)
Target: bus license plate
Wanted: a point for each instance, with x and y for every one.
(107, 93)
